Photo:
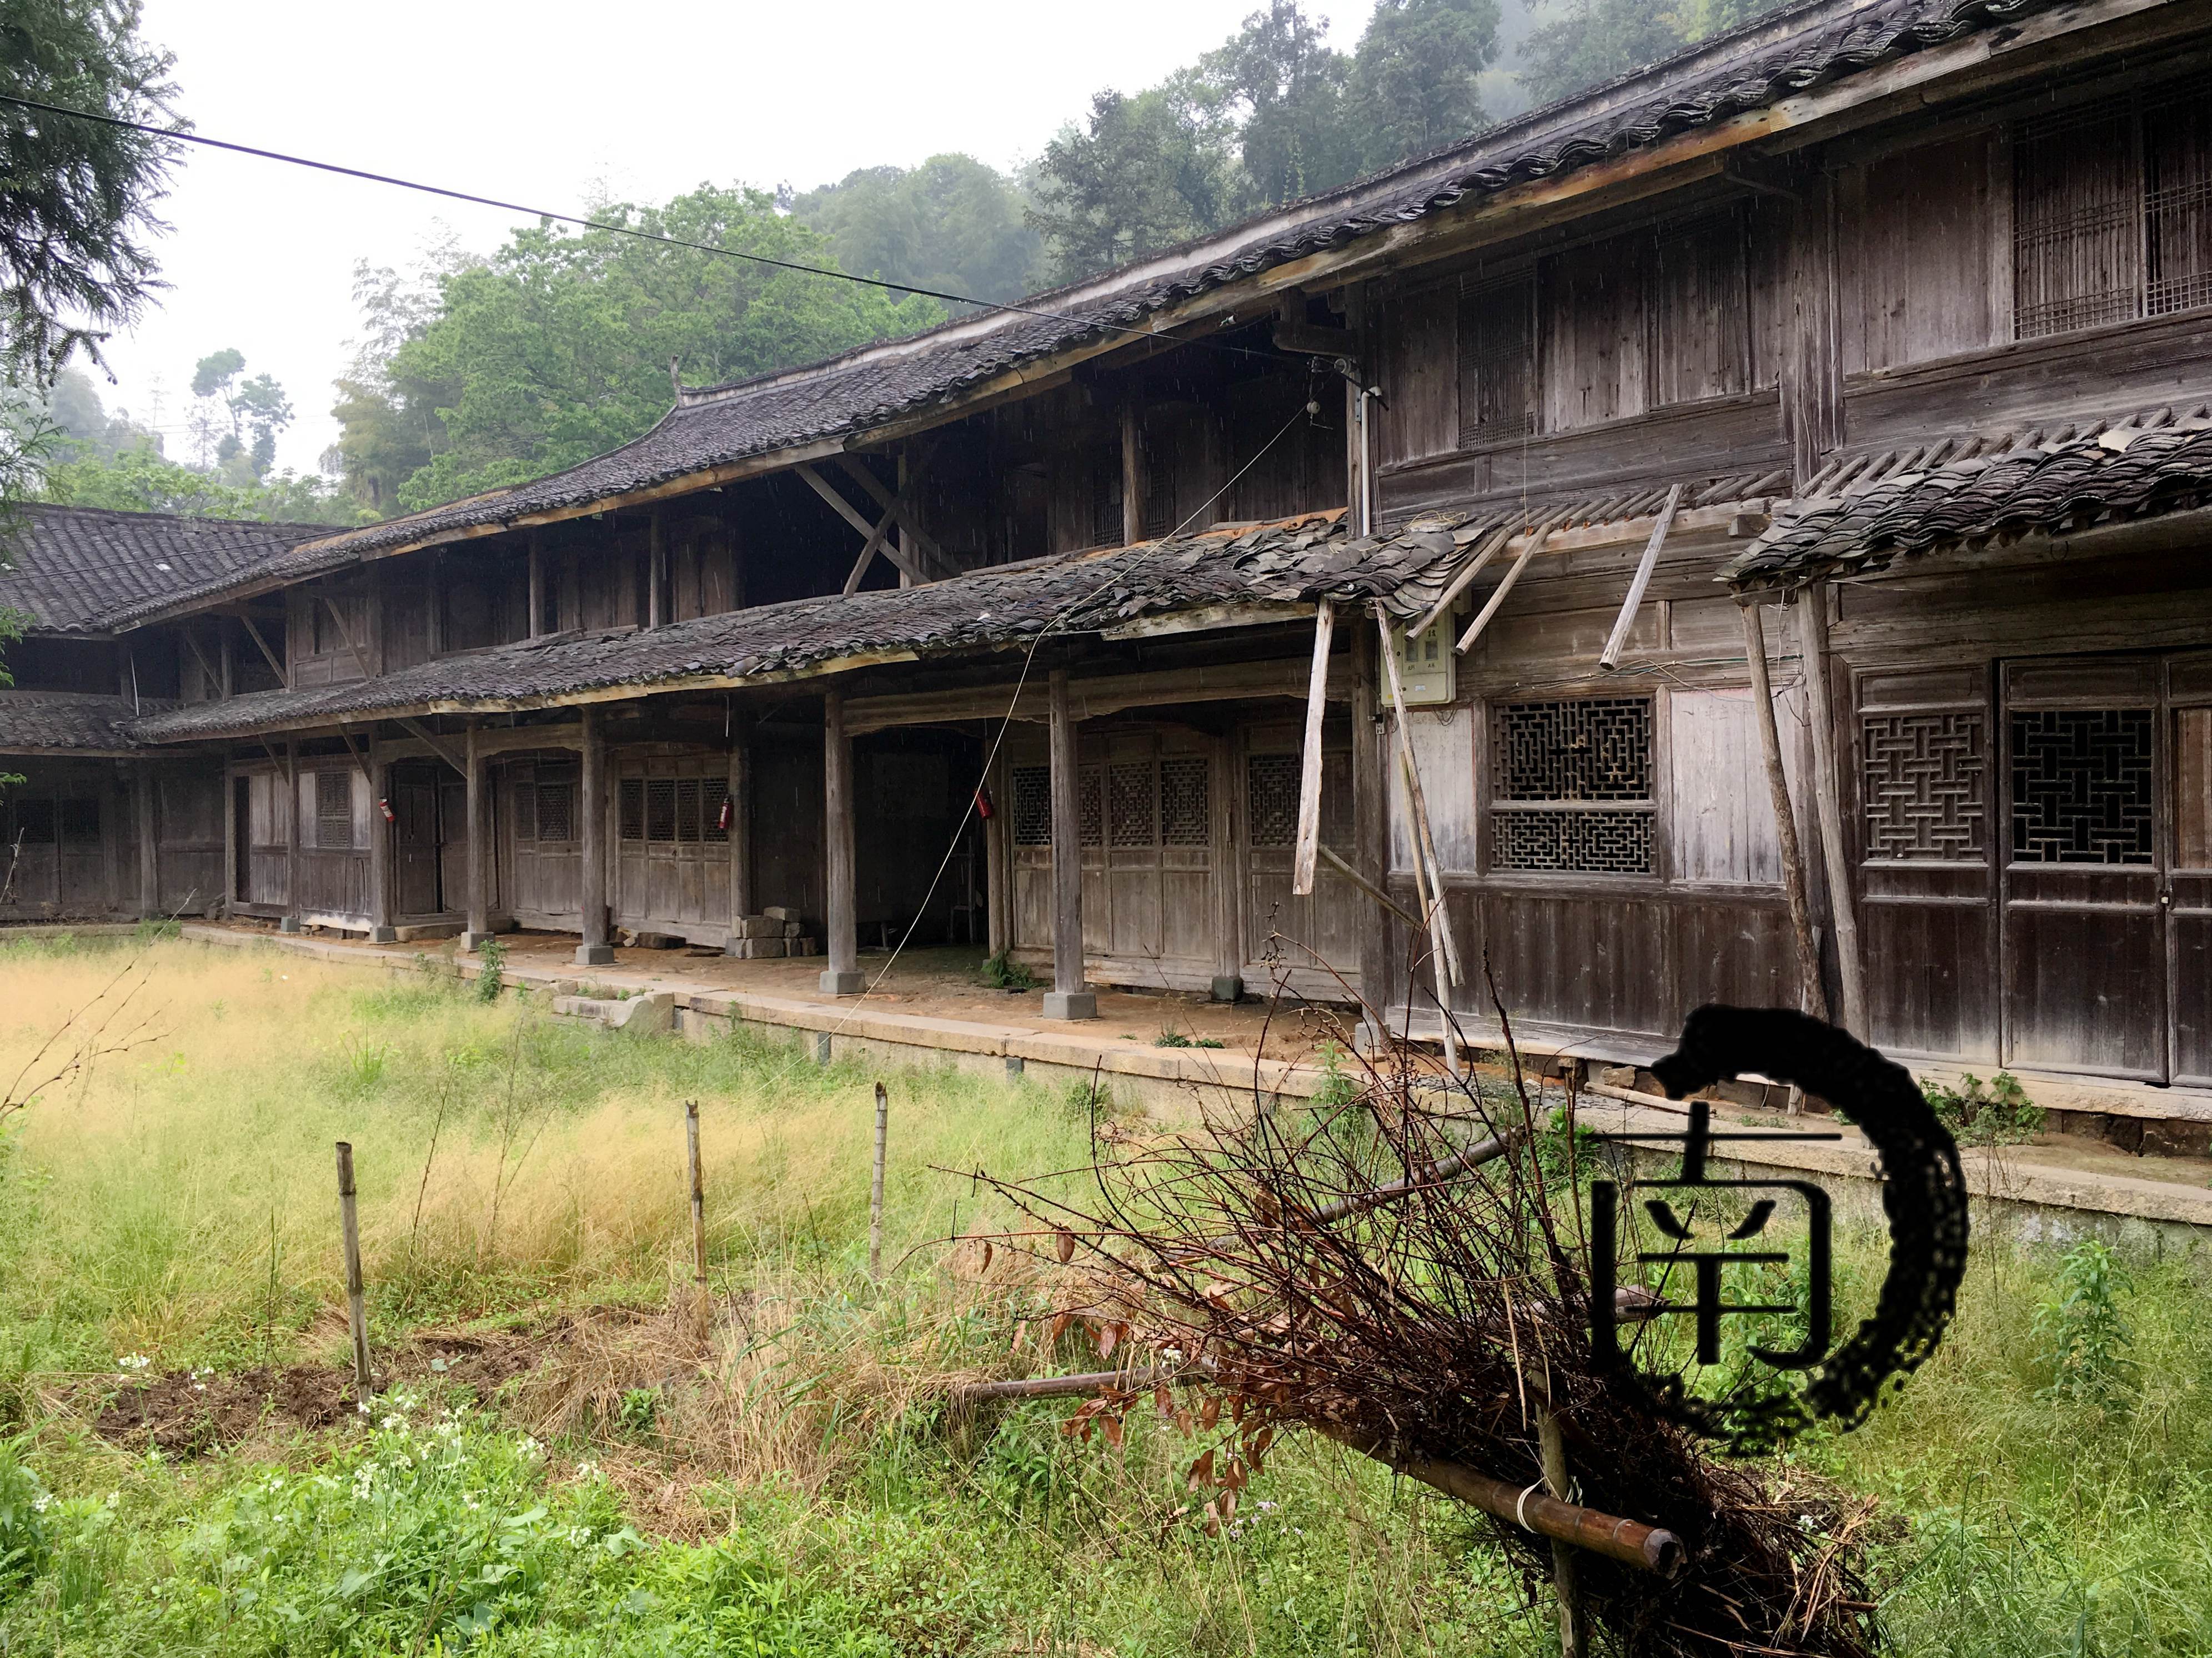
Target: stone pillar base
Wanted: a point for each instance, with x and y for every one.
(1228, 987)
(595, 955)
(851, 982)
(1014, 1066)
(289, 924)
(1071, 1004)
(474, 941)
(384, 935)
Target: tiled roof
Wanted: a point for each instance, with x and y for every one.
(1781, 55)
(34, 721)
(1861, 512)
(83, 569)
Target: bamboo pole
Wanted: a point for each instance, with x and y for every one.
(1425, 844)
(1813, 992)
(1609, 658)
(1491, 546)
(876, 1187)
(1302, 864)
(1574, 1626)
(704, 1310)
(1827, 797)
(357, 1300)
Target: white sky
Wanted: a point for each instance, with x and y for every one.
(539, 102)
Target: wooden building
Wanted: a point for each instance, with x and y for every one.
(1776, 471)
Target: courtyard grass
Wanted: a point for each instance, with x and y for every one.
(521, 1176)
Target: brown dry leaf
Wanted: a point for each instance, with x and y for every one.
(1063, 1245)
(1210, 1412)
(1059, 1323)
(1212, 1520)
(1201, 1472)
(1184, 1425)
(1112, 1425)
(1109, 1337)
(987, 1256)
(1163, 1401)
(1229, 1503)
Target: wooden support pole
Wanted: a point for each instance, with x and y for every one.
(1812, 993)
(1609, 658)
(381, 900)
(916, 549)
(276, 663)
(1827, 797)
(1424, 844)
(740, 831)
(1498, 594)
(290, 923)
(656, 573)
(876, 1187)
(869, 549)
(1309, 841)
(356, 1299)
(593, 949)
(842, 977)
(998, 921)
(1461, 582)
(537, 584)
(1069, 998)
(149, 843)
(479, 830)
(1133, 471)
(1371, 823)
(1574, 1625)
(702, 1300)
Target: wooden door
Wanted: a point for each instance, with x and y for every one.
(452, 844)
(415, 846)
(2084, 859)
(2189, 883)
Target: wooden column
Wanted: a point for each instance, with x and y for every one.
(741, 833)
(479, 838)
(593, 949)
(1069, 998)
(537, 584)
(998, 911)
(656, 577)
(380, 929)
(291, 921)
(1133, 472)
(1371, 827)
(843, 976)
(1813, 994)
(149, 844)
(1827, 799)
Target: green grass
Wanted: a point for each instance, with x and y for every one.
(176, 1201)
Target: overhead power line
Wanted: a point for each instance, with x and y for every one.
(609, 226)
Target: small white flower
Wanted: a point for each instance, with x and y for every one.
(588, 1470)
(41, 1503)
(199, 1387)
(132, 1362)
(113, 1498)
(393, 1423)
(362, 1407)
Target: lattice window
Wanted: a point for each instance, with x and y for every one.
(1131, 801)
(80, 821)
(1497, 362)
(1032, 806)
(555, 802)
(1090, 807)
(1106, 527)
(713, 796)
(1160, 501)
(687, 809)
(2082, 785)
(1185, 802)
(1271, 799)
(1551, 758)
(2113, 210)
(630, 797)
(660, 809)
(526, 811)
(334, 811)
(1927, 786)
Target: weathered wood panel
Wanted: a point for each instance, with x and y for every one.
(1445, 749)
(188, 822)
(1420, 369)
(1596, 351)
(1916, 245)
(1719, 829)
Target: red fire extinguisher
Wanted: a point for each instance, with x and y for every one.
(984, 809)
(385, 806)
(722, 818)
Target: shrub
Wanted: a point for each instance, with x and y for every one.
(1002, 972)
(27, 1522)
(1995, 1113)
(492, 955)
(2085, 1338)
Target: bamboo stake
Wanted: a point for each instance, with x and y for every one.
(1827, 799)
(1302, 866)
(876, 1187)
(1814, 993)
(1574, 1627)
(356, 1301)
(704, 1313)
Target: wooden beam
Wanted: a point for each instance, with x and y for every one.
(1371, 821)
(537, 583)
(1335, 860)
(1498, 594)
(1066, 862)
(437, 745)
(150, 845)
(740, 785)
(851, 514)
(593, 949)
(1609, 658)
(656, 572)
(360, 659)
(479, 830)
(842, 977)
(998, 921)
(1133, 471)
(1813, 992)
(1444, 966)
(869, 549)
(379, 854)
(1461, 582)
(268, 655)
(1309, 841)
(207, 668)
(1827, 797)
(924, 551)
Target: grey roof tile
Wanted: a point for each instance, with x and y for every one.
(31, 720)
(82, 569)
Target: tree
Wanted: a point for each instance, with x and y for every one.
(1415, 77)
(76, 214)
(557, 348)
(83, 427)
(952, 224)
(1145, 172)
(236, 424)
(140, 480)
(1281, 72)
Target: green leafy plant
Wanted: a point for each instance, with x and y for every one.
(1086, 1095)
(2085, 1336)
(363, 1065)
(492, 955)
(1170, 1037)
(1336, 1089)
(27, 1526)
(1995, 1113)
(1003, 972)
(640, 1409)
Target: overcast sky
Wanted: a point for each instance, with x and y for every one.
(540, 103)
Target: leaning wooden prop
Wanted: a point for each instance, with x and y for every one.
(1410, 1272)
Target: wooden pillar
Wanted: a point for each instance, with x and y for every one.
(843, 976)
(1069, 998)
(479, 847)
(656, 578)
(1827, 797)
(537, 584)
(1133, 472)
(1370, 829)
(593, 949)
(741, 833)
(998, 911)
(1813, 994)
(380, 929)
(150, 845)
(290, 921)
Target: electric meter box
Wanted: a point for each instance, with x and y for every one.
(1425, 664)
